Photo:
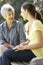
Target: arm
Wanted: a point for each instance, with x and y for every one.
(25, 43)
(22, 37)
(8, 45)
(38, 43)
(21, 33)
(3, 41)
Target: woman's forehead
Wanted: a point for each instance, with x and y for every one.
(10, 11)
(22, 9)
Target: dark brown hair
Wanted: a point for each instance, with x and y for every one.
(31, 8)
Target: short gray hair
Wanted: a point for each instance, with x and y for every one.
(5, 8)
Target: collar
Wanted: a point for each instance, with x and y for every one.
(14, 24)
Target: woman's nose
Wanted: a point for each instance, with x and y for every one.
(11, 16)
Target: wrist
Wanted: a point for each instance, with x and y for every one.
(25, 47)
(11, 46)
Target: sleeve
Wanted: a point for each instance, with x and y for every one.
(37, 26)
(1, 37)
(22, 33)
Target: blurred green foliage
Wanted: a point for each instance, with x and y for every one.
(17, 5)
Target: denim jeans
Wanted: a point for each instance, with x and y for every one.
(12, 55)
(1, 60)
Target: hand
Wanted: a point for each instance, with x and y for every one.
(25, 43)
(19, 47)
(11, 46)
(8, 45)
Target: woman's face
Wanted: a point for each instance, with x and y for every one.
(23, 13)
(10, 16)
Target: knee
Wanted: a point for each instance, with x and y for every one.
(8, 52)
(5, 53)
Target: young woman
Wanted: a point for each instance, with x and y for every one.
(35, 30)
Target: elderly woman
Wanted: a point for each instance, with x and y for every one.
(11, 35)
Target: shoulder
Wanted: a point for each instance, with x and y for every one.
(19, 23)
(37, 22)
(2, 25)
(37, 25)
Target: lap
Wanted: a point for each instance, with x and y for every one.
(24, 55)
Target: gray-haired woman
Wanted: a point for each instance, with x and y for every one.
(11, 35)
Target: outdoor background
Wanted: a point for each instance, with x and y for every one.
(17, 5)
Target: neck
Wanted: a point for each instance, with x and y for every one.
(9, 24)
(31, 19)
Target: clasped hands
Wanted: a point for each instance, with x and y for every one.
(21, 46)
